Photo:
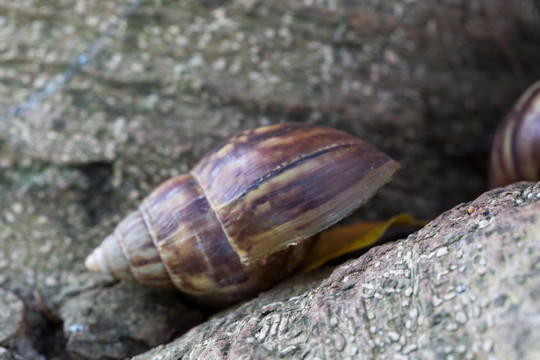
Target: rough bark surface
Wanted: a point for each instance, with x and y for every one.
(466, 287)
(101, 101)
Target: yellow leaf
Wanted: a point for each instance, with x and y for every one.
(341, 240)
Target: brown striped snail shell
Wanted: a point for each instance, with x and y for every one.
(242, 218)
(515, 153)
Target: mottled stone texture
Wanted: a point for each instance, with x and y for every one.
(11, 315)
(466, 287)
(165, 81)
(6, 355)
(422, 80)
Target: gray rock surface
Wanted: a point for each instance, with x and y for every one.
(11, 315)
(127, 321)
(7, 355)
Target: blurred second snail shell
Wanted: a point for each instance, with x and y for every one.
(515, 153)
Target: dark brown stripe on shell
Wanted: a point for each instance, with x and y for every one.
(170, 212)
(329, 174)
(242, 145)
(513, 169)
(135, 262)
(139, 249)
(190, 238)
(225, 174)
(514, 122)
(115, 271)
(535, 153)
(529, 156)
(141, 262)
(253, 136)
(286, 167)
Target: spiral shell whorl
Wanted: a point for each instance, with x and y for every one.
(515, 154)
(129, 254)
(186, 248)
(107, 259)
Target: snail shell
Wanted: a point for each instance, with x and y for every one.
(226, 230)
(515, 154)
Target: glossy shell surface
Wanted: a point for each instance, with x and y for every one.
(515, 154)
(239, 221)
